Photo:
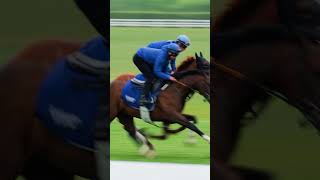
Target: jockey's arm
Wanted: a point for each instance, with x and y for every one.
(173, 65)
(158, 68)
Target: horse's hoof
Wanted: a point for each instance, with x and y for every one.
(144, 150)
(207, 138)
(151, 154)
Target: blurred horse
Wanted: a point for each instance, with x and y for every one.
(193, 73)
(254, 55)
(27, 147)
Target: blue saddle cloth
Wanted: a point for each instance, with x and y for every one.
(69, 109)
(133, 89)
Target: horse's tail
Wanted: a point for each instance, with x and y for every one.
(116, 87)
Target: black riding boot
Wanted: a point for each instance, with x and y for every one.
(145, 93)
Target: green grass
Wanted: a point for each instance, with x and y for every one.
(124, 43)
(180, 9)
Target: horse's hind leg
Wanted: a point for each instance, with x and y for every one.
(147, 148)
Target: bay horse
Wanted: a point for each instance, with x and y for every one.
(193, 73)
(255, 54)
(27, 147)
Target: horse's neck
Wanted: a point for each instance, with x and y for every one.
(264, 14)
(191, 65)
(184, 91)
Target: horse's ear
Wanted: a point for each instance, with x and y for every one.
(201, 54)
(197, 57)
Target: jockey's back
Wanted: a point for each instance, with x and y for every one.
(159, 44)
(151, 55)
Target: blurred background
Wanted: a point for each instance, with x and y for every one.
(276, 142)
(24, 22)
(158, 9)
(125, 41)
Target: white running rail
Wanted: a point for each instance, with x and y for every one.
(160, 23)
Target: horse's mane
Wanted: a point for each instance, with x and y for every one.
(185, 64)
(235, 10)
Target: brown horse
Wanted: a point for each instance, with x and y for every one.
(27, 147)
(254, 56)
(193, 73)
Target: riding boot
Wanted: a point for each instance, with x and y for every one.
(144, 96)
(144, 112)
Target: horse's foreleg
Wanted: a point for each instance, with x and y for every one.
(182, 120)
(167, 130)
(190, 118)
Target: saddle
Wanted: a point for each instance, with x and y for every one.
(133, 89)
(140, 81)
(81, 63)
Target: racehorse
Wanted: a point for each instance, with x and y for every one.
(27, 147)
(193, 73)
(254, 55)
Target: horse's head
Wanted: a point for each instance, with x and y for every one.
(202, 63)
(194, 63)
(196, 72)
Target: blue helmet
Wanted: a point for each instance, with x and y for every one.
(183, 39)
(173, 48)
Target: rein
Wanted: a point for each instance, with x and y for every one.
(187, 86)
(183, 84)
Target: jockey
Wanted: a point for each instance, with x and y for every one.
(154, 63)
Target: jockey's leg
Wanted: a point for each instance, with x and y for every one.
(147, 71)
